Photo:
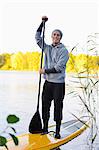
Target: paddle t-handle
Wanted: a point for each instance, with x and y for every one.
(44, 18)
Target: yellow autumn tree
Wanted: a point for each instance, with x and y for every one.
(81, 62)
(94, 64)
(33, 60)
(6, 62)
(71, 63)
(18, 61)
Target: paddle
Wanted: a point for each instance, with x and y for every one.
(35, 125)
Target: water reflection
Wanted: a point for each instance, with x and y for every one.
(18, 94)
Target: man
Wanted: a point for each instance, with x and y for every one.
(56, 57)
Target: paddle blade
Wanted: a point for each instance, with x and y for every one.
(35, 124)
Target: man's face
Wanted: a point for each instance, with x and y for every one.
(56, 37)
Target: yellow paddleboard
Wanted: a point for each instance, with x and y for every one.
(69, 130)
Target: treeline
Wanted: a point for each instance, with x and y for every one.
(31, 61)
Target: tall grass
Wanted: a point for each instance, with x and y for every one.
(88, 85)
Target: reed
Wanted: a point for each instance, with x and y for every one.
(88, 86)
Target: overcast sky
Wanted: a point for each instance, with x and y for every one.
(19, 20)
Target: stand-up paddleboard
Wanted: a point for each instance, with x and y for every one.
(69, 130)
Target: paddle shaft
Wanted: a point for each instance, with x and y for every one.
(41, 65)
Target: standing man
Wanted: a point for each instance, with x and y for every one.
(56, 57)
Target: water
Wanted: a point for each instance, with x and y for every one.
(18, 95)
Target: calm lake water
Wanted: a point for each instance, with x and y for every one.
(18, 95)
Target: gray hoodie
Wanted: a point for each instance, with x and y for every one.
(56, 57)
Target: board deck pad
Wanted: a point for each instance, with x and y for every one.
(69, 130)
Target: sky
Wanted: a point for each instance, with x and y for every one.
(19, 20)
